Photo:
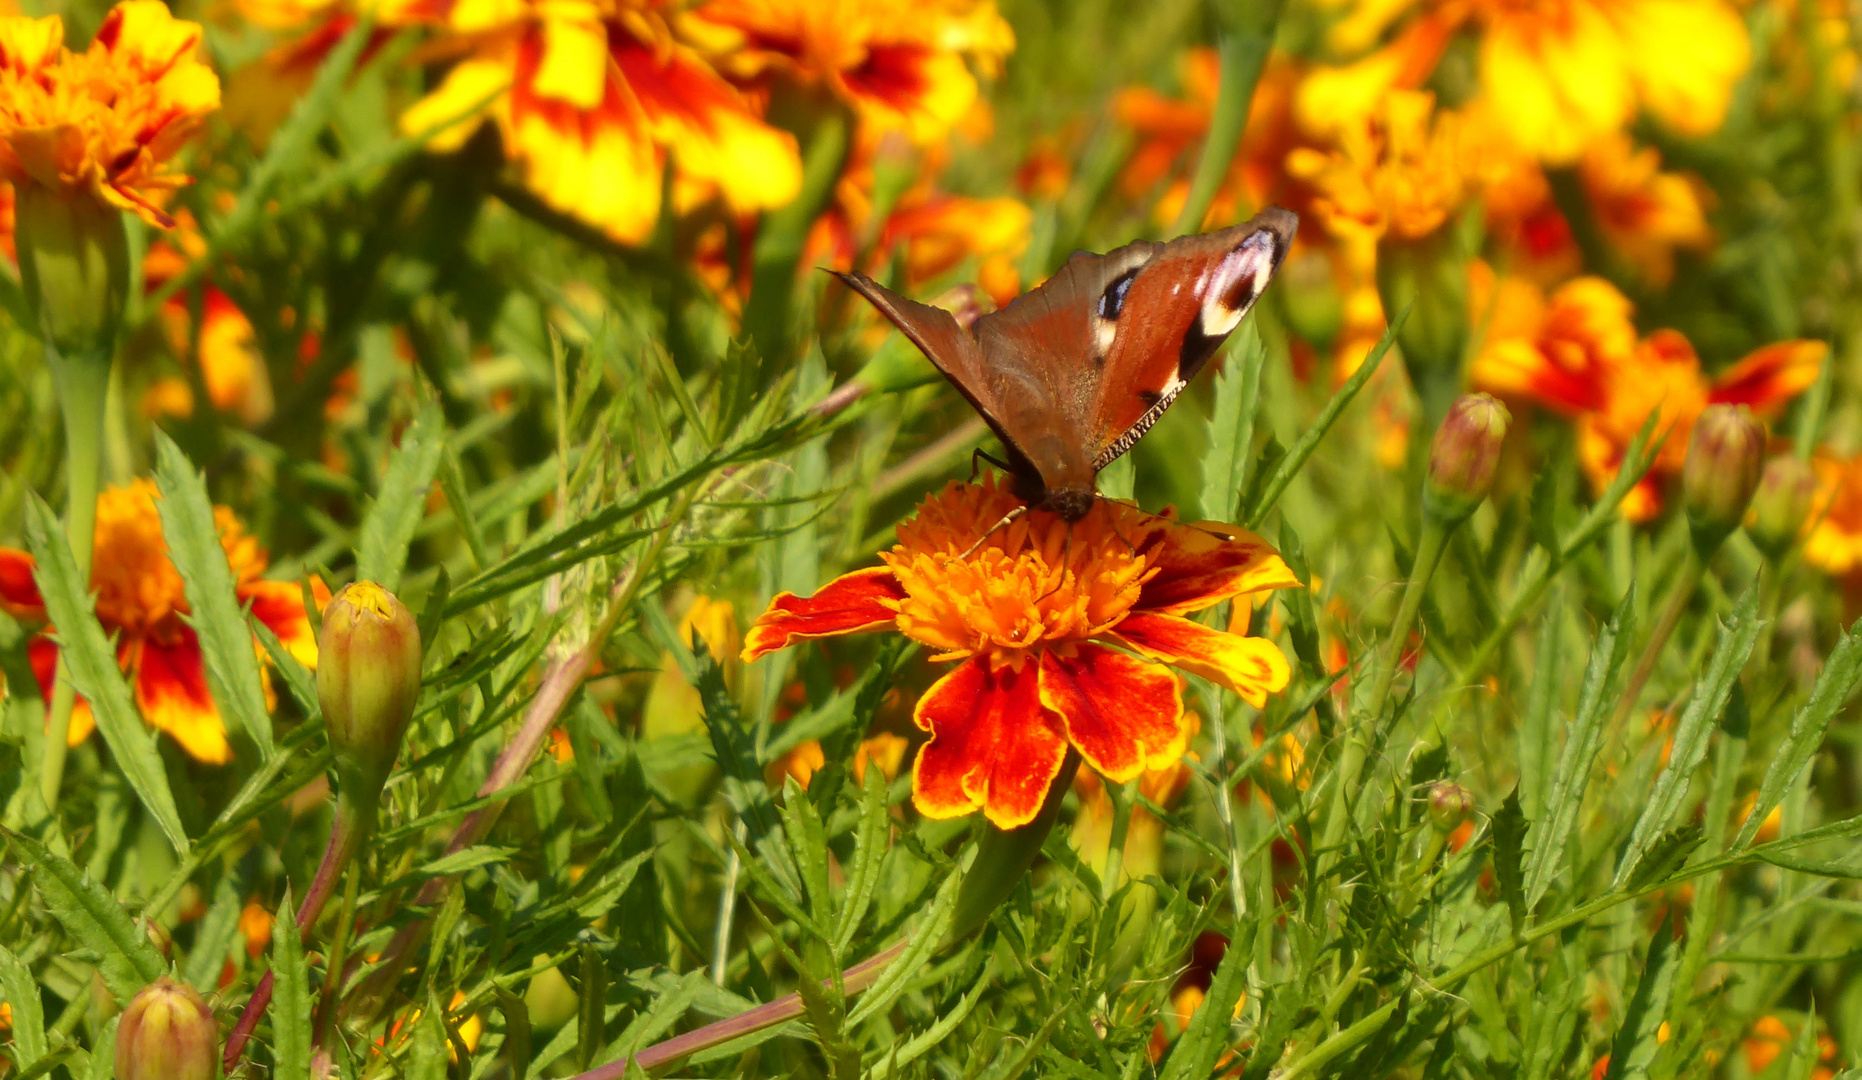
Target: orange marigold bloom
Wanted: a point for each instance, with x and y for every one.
(898, 63)
(107, 121)
(1032, 614)
(592, 98)
(1834, 540)
(139, 601)
(1664, 378)
(1643, 212)
(231, 367)
(1557, 350)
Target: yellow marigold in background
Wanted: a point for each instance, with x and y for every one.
(110, 120)
(139, 601)
(1563, 73)
(1664, 377)
(900, 64)
(1834, 540)
(593, 99)
(1643, 212)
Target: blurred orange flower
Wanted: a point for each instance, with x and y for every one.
(139, 601)
(593, 99)
(226, 350)
(1643, 212)
(1555, 350)
(900, 64)
(110, 120)
(1834, 540)
(1027, 613)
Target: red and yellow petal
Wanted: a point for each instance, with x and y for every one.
(19, 593)
(280, 606)
(1123, 714)
(42, 653)
(1771, 375)
(1252, 667)
(171, 690)
(1197, 568)
(863, 600)
(993, 746)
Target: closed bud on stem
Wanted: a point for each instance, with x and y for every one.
(1724, 458)
(167, 1033)
(368, 678)
(1464, 455)
(1449, 805)
(1781, 504)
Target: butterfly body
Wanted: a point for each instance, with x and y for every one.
(1071, 374)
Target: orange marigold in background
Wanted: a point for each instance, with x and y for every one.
(1664, 377)
(226, 348)
(1033, 615)
(1558, 350)
(1834, 540)
(110, 120)
(592, 100)
(899, 64)
(1643, 212)
(140, 602)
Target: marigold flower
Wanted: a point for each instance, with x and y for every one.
(898, 63)
(140, 601)
(109, 121)
(593, 98)
(1834, 542)
(1032, 614)
(1664, 377)
(1556, 350)
(225, 347)
(1643, 212)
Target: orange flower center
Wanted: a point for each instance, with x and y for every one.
(1033, 583)
(138, 588)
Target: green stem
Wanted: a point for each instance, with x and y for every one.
(1679, 595)
(1122, 798)
(83, 384)
(1358, 742)
(1244, 52)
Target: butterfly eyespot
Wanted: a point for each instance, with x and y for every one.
(1112, 301)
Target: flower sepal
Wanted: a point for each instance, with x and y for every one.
(1003, 857)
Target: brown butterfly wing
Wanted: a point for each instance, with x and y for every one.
(1171, 319)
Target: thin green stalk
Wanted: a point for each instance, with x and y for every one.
(83, 387)
(1243, 53)
(1122, 798)
(1358, 741)
(1679, 595)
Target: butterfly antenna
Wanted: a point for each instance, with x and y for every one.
(1007, 519)
(1112, 519)
(1066, 557)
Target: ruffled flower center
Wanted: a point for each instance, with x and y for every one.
(1033, 583)
(138, 588)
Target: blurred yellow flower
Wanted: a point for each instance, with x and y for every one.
(900, 64)
(225, 347)
(593, 98)
(108, 121)
(1834, 540)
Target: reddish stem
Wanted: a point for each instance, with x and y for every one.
(854, 980)
(352, 827)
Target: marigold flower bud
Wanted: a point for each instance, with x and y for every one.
(1449, 805)
(368, 678)
(1724, 458)
(1781, 504)
(1464, 455)
(167, 1033)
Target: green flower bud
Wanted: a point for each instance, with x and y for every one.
(1781, 504)
(74, 269)
(167, 1033)
(1449, 805)
(1724, 458)
(1464, 456)
(368, 678)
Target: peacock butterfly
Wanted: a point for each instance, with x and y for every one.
(1072, 373)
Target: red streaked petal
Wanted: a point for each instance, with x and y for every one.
(19, 593)
(1124, 715)
(280, 606)
(863, 600)
(1252, 667)
(993, 747)
(1770, 376)
(171, 691)
(1198, 568)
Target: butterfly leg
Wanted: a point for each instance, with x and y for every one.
(984, 455)
(1007, 519)
(1112, 520)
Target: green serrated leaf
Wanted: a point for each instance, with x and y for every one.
(1665, 856)
(218, 622)
(1841, 672)
(869, 844)
(388, 528)
(925, 940)
(126, 959)
(22, 997)
(1639, 1036)
(1692, 733)
(1202, 1043)
(91, 663)
(808, 845)
(1231, 426)
(1509, 842)
(290, 1011)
